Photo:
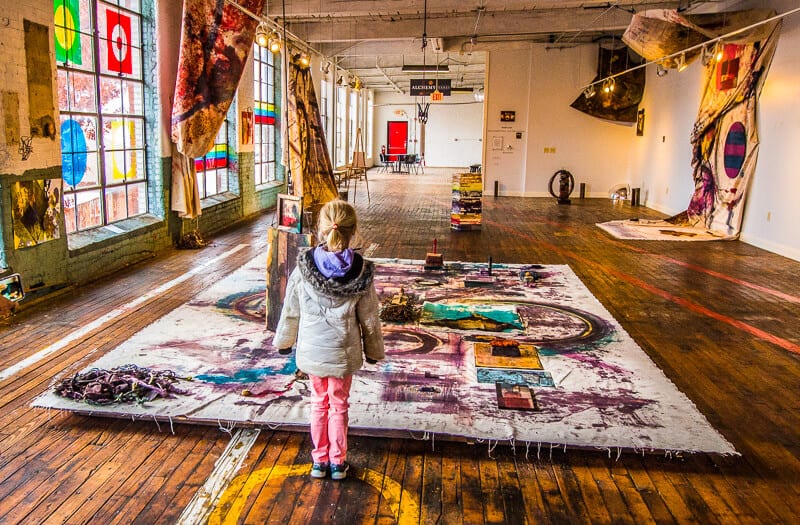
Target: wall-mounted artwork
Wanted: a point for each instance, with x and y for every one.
(640, 123)
(36, 211)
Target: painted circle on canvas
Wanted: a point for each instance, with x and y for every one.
(735, 149)
(73, 152)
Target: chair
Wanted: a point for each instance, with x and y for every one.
(385, 163)
(410, 162)
(420, 164)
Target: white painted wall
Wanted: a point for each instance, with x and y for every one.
(453, 134)
(661, 159)
(772, 213)
(508, 88)
(540, 84)
(46, 151)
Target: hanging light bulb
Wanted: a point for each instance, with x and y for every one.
(301, 59)
(719, 55)
(274, 43)
(262, 35)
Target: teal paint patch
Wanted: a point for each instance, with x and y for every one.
(252, 375)
(490, 318)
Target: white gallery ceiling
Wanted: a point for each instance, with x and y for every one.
(374, 39)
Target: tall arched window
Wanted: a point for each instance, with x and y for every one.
(264, 139)
(98, 49)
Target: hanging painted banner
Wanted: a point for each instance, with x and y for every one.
(309, 162)
(216, 39)
(66, 15)
(120, 57)
(618, 98)
(725, 135)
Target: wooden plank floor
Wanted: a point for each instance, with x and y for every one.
(719, 318)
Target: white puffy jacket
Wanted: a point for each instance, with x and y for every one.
(333, 321)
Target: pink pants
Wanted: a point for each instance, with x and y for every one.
(329, 404)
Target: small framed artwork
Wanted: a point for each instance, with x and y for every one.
(640, 123)
(290, 213)
(516, 397)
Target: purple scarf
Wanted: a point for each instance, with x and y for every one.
(333, 264)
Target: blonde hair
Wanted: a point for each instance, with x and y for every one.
(336, 224)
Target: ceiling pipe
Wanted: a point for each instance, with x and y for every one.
(391, 82)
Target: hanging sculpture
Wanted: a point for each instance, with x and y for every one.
(309, 161)
(617, 98)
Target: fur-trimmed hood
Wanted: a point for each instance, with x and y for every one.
(335, 287)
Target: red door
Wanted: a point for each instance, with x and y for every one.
(397, 134)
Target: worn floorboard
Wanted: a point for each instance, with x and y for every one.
(719, 318)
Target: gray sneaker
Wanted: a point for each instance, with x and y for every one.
(339, 472)
(319, 470)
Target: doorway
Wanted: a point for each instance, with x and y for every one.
(397, 138)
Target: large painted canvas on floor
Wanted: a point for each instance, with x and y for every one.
(526, 355)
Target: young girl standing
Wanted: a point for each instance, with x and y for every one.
(331, 312)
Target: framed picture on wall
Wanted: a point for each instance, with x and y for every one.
(640, 123)
(290, 213)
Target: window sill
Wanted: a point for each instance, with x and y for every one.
(269, 185)
(87, 240)
(220, 198)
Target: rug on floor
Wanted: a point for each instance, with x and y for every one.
(519, 354)
(659, 230)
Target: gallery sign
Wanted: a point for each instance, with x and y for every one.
(422, 87)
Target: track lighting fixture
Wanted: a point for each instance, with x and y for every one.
(274, 43)
(590, 91)
(719, 55)
(609, 85)
(706, 54)
(682, 64)
(262, 35)
(302, 59)
(325, 67)
(661, 70)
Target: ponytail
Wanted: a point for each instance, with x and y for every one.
(337, 225)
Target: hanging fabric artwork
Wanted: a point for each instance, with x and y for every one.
(309, 161)
(618, 98)
(725, 135)
(216, 39)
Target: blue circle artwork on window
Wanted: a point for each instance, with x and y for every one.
(735, 149)
(73, 152)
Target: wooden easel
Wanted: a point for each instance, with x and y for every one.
(358, 167)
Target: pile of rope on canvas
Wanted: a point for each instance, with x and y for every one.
(400, 308)
(123, 384)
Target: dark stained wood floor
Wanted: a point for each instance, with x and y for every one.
(719, 318)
